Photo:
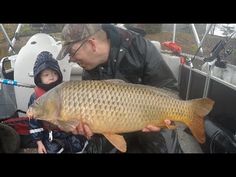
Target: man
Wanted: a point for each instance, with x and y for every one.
(109, 52)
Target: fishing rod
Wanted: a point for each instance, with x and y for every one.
(219, 62)
(213, 55)
(15, 83)
(191, 61)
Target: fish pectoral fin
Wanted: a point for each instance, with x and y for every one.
(117, 140)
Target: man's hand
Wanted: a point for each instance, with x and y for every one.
(84, 129)
(152, 128)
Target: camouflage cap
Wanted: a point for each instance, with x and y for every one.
(73, 33)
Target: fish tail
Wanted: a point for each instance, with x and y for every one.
(201, 107)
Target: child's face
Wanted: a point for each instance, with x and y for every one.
(48, 76)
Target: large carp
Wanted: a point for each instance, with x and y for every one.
(111, 107)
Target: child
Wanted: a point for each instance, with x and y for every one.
(49, 138)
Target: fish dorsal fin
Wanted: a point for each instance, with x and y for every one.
(117, 140)
(115, 81)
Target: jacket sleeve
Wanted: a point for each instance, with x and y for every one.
(156, 72)
(36, 129)
(35, 126)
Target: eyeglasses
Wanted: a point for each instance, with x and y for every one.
(72, 55)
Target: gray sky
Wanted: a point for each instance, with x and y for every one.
(218, 32)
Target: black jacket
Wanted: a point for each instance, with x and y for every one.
(133, 59)
(36, 126)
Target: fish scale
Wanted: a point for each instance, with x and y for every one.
(113, 107)
(124, 109)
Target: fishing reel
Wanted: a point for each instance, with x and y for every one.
(220, 52)
(220, 61)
